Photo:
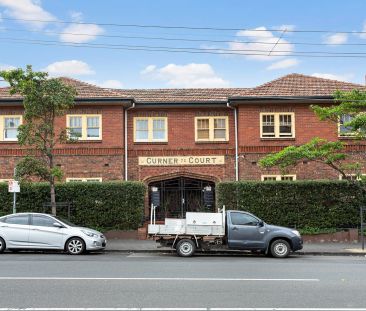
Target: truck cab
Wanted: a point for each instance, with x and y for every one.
(247, 232)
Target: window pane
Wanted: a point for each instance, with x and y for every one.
(17, 220)
(243, 219)
(159, 129)
(42, 221)
(11, 128)
(75, 128)
(287, 178)
(268, 126)
(93, 121)
(75, 121)
(220, 134)
(285, 125)
(142, 125)
(345, 130)
(93, 132)
(203, 123)
(269, 178)
(220, 123)
(203, 134)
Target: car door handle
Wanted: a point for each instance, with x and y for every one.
(35, 229)
(234, 228)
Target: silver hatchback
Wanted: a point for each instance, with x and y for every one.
(35, 231)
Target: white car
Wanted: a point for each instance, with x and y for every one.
(25, 231)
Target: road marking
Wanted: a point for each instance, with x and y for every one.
(152, 279)
(183, 309)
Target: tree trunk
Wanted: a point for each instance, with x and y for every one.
(53, 198)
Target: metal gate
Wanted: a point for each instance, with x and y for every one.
(180, 195)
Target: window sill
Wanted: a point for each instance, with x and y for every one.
(277, 138)
(348, 138)
(150, 143)
(211, 142)
(9, 142)
(85, 141)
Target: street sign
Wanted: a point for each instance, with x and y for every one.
(14, 186)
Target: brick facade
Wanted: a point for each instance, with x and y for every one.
(105, 158)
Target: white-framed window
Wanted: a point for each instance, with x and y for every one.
(150, 129)
(277, 124)
(352, 176)
(9, 127)
(82, 179)
(84, 126)
(343, 130)
(278, 177)
(212, 128)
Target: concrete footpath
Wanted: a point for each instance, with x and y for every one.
(335, 249)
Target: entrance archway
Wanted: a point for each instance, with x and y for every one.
(176, 196)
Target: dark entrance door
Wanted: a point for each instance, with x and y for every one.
(181, 195)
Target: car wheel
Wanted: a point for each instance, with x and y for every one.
(186, 248)
(2, 245)
(75, 246)
(280, 248)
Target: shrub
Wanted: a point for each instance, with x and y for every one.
(104, 206)
(301, 204)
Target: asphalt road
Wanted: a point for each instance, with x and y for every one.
(117, 281)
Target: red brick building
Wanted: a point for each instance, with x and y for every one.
(181, 142)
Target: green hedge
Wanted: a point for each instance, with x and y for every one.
(104, 206)
(301, 204)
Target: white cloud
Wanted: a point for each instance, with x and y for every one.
(6, 67)
(80, 33)
(184, 76)
(338, 38)
(282, 64)
(76, 16)
(261, 50)
(286, 27)
(69, 68)
(342, 77)
(27, 9)
(111, 84)
(148, 69)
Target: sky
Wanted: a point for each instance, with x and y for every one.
(243, 43)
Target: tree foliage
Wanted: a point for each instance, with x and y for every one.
(352, 103)
(44, 99)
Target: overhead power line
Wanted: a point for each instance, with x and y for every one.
(178, 39)
(184, 27)
(249, 52)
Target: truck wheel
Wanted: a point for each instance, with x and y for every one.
(186, 248)
(280, 248)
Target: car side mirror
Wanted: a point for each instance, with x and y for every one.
(57, 225)
(260, 223)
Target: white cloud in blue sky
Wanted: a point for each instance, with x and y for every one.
(186, 76)
(141, 67)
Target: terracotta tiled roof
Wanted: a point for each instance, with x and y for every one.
(293, 85)
(84, 91)
(182, 95)
(302, 85)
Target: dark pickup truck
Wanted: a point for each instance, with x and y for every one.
(226, 230)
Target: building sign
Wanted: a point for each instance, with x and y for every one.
(178, 161)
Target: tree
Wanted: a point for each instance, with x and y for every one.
(44, 100)
(351, 103)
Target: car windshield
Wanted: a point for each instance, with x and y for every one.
(65, 221)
